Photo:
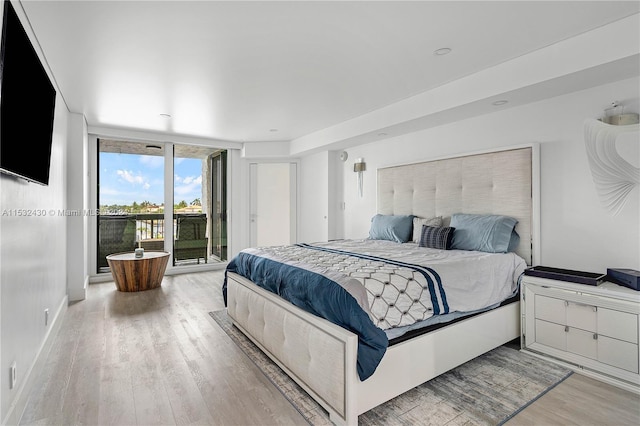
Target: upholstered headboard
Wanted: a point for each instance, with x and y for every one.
(492, 183)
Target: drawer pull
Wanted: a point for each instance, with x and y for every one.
(566, 328)
(595, 336)
(595, 308)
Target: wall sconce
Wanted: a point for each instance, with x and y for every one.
(614, 177)
(359, 166)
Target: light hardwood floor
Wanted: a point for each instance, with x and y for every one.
(157, 357)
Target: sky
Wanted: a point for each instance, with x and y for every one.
(125, 178)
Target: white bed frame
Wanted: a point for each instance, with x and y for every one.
(321, 356)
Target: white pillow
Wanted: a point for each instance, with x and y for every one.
(419, 221)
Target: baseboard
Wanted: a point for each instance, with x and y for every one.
(22, 397)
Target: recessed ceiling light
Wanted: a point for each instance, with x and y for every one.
(165, 115)
(500, 102)
(442, 51)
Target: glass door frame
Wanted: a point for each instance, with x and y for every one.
(92, 192)
(218, 165)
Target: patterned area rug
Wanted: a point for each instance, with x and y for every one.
(488, 390)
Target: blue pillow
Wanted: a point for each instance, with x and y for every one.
(514, 241)
(397, 228)
(488, 233)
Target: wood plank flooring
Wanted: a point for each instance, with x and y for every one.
(157, 358)
(152, 358)
(582, 401)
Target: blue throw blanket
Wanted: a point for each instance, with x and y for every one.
(318, 295)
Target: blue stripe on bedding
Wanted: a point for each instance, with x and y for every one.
(302, 287)
(424, 270)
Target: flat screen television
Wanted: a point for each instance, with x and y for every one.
(27, 104)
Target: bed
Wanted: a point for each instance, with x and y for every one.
(341, 355)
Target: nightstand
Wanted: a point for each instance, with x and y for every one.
(591, 329)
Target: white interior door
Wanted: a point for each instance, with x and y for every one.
(273, 203)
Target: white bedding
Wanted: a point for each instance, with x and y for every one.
(395, 296)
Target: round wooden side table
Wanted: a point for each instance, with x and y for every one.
(138, 273)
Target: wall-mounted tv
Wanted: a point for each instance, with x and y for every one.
(27, 104)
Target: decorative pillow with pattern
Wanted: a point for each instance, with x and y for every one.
(418, 222)
(438, 237)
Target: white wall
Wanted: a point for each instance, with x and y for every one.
(314, 198)
(576, 231)
(77, 201)
(335, 177)
(32, 263)
(238, 199)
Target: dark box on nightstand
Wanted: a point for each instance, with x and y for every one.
(579, 277)
(626, 277)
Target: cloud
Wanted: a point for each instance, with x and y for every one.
(138, 179)
(130, 177)
(192, 180)
(188, 187)
(197, 180)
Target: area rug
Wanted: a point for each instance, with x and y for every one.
(488, 390)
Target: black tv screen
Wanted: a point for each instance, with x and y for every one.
(27, 104)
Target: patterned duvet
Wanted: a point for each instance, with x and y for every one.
(394, 287)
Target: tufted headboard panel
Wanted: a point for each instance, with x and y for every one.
(492, 183)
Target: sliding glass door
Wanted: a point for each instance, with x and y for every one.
(199, 205)
(133, 210)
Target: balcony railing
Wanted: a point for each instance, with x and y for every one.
(121, 233)
(150, 226)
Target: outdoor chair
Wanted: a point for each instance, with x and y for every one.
(117, 234)
(191, 238)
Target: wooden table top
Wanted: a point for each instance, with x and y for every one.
(132, 255)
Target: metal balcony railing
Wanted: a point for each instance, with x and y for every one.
(150, 226)
(120, 233)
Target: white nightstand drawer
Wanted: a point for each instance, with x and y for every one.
(582, 316)
(551, 334)
(550, 309)
(581, 342)
(617, 324)
(618, 353)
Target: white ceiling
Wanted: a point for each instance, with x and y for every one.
(261, 71)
